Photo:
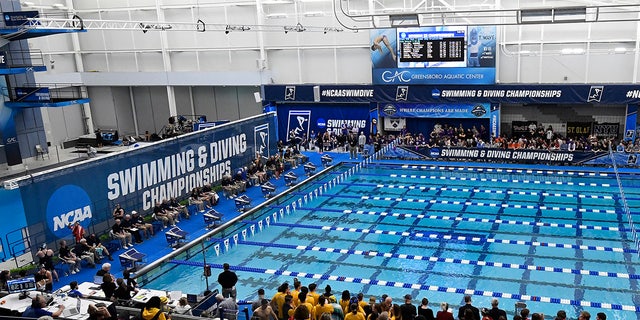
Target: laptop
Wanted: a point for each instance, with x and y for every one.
(72, 311)
(97, 279)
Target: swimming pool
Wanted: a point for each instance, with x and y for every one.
(547, 237)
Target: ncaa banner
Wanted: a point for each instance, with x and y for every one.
(303, 119)
(141, 177)
(510, 155)
(420, 110)
(445, 93)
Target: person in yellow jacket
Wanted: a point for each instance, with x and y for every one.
(277, 301)
(152, 310)
(353, 313)
(312, 293)
(303, 296)
(323, 307)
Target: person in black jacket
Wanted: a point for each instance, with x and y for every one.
(474, 310)
(228, 279)
(494, 312)
(425, 311)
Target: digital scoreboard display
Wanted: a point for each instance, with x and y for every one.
(21, 285)
(447, 49)
(432, 47)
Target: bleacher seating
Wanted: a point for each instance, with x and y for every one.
(268, 189)
(212, 218)
(243, 203)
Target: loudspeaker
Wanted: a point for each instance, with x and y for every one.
(316, 93)
(256, 95)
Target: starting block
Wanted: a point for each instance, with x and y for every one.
(309, 168)
(268, 189)
(327, 160)
(290, 178)
(212, 218)
(175, 237)
(243, 203)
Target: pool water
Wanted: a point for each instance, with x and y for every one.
(546, 237)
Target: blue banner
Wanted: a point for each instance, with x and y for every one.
(421, 110)
(434, 75)
(31, 94)
(138, 178)
(503, 93)
(494, 122)
(631, 123)
(18, 18)
(301, 120)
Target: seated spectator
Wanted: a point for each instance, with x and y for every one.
(213, 197)
(170, 211)
(260, 170)
(5, 276)
(160, 215)
(183, 307)
(44, 279)
(121, 234)
(67, 256)
(180, 209)
(108, 287)
(290, 159)
(83, 252)
(73, 290)
(194, 198)
(228, 187)
(153, 310)
(127, 225)
(37, 309)
(138, 222)
(97, 247)
(229, 307)
(123, 292)
(240, 181)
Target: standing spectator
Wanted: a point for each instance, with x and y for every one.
(584, 315)
(77, 230)
(601, 316)
(353, 141)
(228, 279)
(45, 257)
(444, 313)
(467, 305)
(408, 310)
(227, 307)
(258, 302)
(425, 311)
(495, 312)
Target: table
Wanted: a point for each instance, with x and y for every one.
(12, 302)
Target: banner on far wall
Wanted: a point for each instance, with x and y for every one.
(140, 177)
(606, 130)
(425, 110)
(579, 129)
(299, 120)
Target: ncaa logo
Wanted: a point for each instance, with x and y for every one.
(435, 93)
(290, 93)
(434, 153)
(68, 205)
(321, 123)
(261, 139)
(389, 110)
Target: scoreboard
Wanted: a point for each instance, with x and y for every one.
(446, 49)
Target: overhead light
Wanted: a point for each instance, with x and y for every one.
(277, 2)
(276, 16)
(525, 52)
(572, 51)
(620, 50)
(388, 10)
(314, 14)
(57, 5)
(308, 1)
(27, 3)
